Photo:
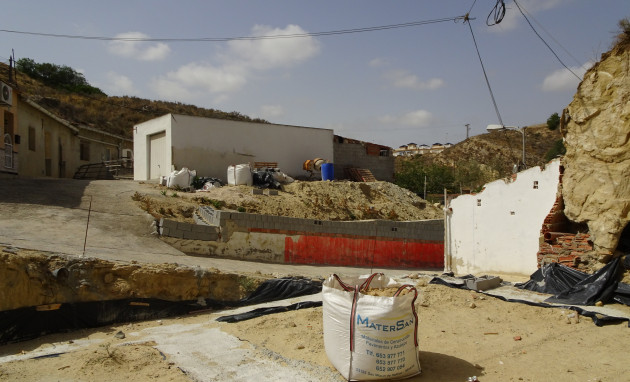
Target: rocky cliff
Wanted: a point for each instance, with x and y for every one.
(596, 129)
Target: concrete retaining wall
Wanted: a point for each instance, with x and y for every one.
(383, 243)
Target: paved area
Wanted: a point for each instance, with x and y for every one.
(55, 214)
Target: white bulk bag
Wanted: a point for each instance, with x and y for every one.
(240, 174)
(370, 337)
(182, 178)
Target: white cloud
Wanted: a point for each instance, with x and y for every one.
(272, 53)
(139, 50)
(378, 62)
(418, 118)
(119, 84)
(241, 60)
(404, 79)
(271, 111)
(563, 79)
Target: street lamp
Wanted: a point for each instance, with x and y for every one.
(519, 129)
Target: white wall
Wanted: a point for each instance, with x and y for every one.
(211, 145)
(502, 234)
(141, 134)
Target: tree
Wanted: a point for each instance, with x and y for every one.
(56, 76)
(553, 122)
(557, 150)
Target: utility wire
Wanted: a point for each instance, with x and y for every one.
(551, 36)
(497, 13)
(223, 39)
(494, 102)
(545, 42)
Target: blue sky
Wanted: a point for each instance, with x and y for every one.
(417, 84)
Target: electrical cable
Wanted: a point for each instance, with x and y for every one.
(497, 13)
(551, 36)
(472, 6)
(223, 39)
(494, 102)
(545, 42)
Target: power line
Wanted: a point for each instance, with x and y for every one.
(545, 42)
(551, 36)
(248, 38)
(494, 102)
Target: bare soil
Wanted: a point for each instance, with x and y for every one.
(324, 200)
(461, 334)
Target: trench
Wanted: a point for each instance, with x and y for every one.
(48, 293)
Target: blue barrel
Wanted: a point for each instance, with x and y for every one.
(328, 171)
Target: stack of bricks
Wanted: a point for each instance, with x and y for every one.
(564, 248)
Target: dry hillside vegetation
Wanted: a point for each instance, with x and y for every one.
(339, 200)
(498, 150)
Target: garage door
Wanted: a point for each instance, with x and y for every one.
(158, 158)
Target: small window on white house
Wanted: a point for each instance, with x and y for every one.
(478, 202)
(535, 184)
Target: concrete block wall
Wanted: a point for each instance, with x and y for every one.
(354, 155)
(429, 230)
(189, 231)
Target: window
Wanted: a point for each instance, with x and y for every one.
(85, 150)
(535, 184)
(32, 145)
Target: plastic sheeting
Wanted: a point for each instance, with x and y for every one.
(598, 318)
(28, 323)
(271, 178)
(570, 286)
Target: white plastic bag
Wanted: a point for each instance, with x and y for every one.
(240, 174)
(370, 337)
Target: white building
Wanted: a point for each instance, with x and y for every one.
(210, 145)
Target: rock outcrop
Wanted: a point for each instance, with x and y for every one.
(596, 128)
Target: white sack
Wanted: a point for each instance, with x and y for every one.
(240, 174)
(182, 178)
(370, 337)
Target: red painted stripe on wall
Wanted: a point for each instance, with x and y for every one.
(363, 252)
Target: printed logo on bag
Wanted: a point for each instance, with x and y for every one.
(397, 326)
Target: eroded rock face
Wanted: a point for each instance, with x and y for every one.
(31, 278)
(597, 162)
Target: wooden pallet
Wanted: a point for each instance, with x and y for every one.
(361, 175)
(258, 165)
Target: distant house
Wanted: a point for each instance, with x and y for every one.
(209, 145)
(412, 149)
(38, 143)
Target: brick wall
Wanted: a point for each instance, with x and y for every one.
(557, 245)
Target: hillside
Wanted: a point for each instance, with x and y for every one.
(116, 115)
(498, 151)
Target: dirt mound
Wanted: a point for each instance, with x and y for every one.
(339, 200)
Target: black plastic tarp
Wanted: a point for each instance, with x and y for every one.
(556, 279)
(265, 311)
(28, 323)
(570, 286)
